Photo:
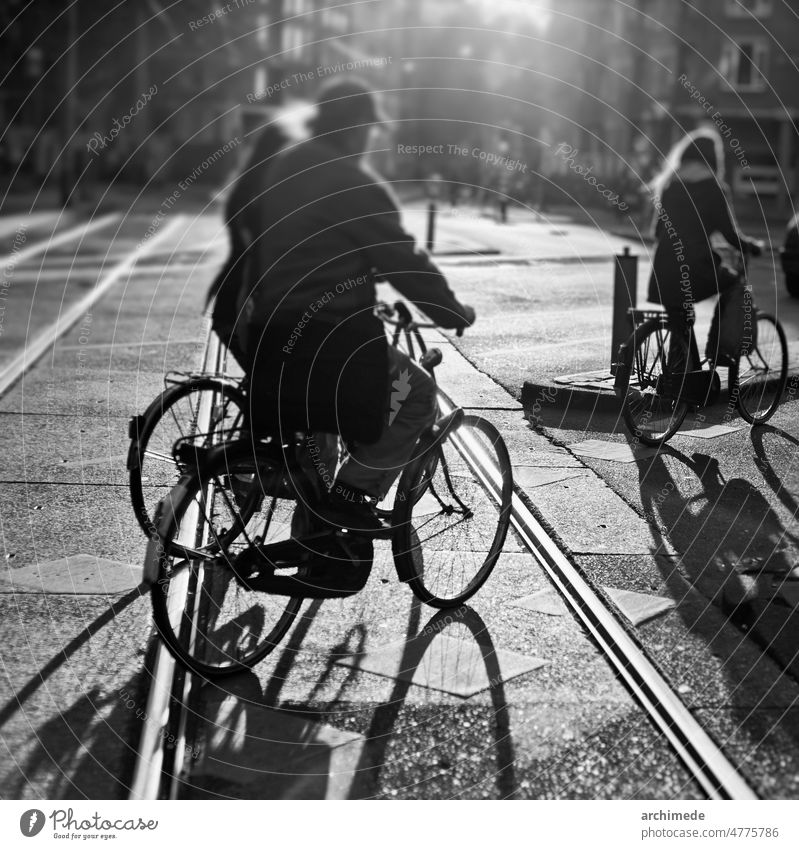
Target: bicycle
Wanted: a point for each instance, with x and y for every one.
(248, 510)
(660, 377)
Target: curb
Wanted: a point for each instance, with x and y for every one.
(538, 397)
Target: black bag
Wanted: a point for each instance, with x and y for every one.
(225, 318)
(317, 376)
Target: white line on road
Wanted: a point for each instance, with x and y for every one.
(14, 223)
(158, 343)
(16, 257)
(23, 361)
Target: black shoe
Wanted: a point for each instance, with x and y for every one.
(343, 572)
(353, 509)
(721, 360)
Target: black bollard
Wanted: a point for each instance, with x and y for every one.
(625, 286)
(503, 211)
(431, 226)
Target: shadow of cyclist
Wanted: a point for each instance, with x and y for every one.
(766, 466)
(731, 544)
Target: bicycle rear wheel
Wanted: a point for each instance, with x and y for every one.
(656, 362)
(759, 377)
(208, 619)
(179, 412)
(451, 514)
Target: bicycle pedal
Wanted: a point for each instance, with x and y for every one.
(135, 425)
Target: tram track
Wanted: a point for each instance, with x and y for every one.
(163, 741)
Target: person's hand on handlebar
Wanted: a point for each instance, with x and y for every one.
(469, 317)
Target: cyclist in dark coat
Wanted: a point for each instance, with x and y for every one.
(692, 203)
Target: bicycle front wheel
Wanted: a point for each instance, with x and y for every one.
(759, 376)
(207, 408)
(210, 621)
(656, 362)
(451, 514)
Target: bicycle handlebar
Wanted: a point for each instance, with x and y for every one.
(404, 319)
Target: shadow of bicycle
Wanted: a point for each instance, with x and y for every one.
(256, 746)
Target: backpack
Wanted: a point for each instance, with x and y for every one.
(241, 218)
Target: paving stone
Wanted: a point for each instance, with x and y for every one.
(65, 449)
(711, 432)
(589, 517)
(43, 522)
(450, 665)
(549, 602)
(530, 476)
(639, 607)
(78, 574)
(277, 754)
(617, 452)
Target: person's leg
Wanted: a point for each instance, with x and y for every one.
(412, 408)
(680, 320)
(320, 458)
(720, 348)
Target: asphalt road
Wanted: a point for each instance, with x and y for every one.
(378, 696)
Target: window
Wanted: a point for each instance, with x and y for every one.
(293, 38)
(745, 8)
(743, 65)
